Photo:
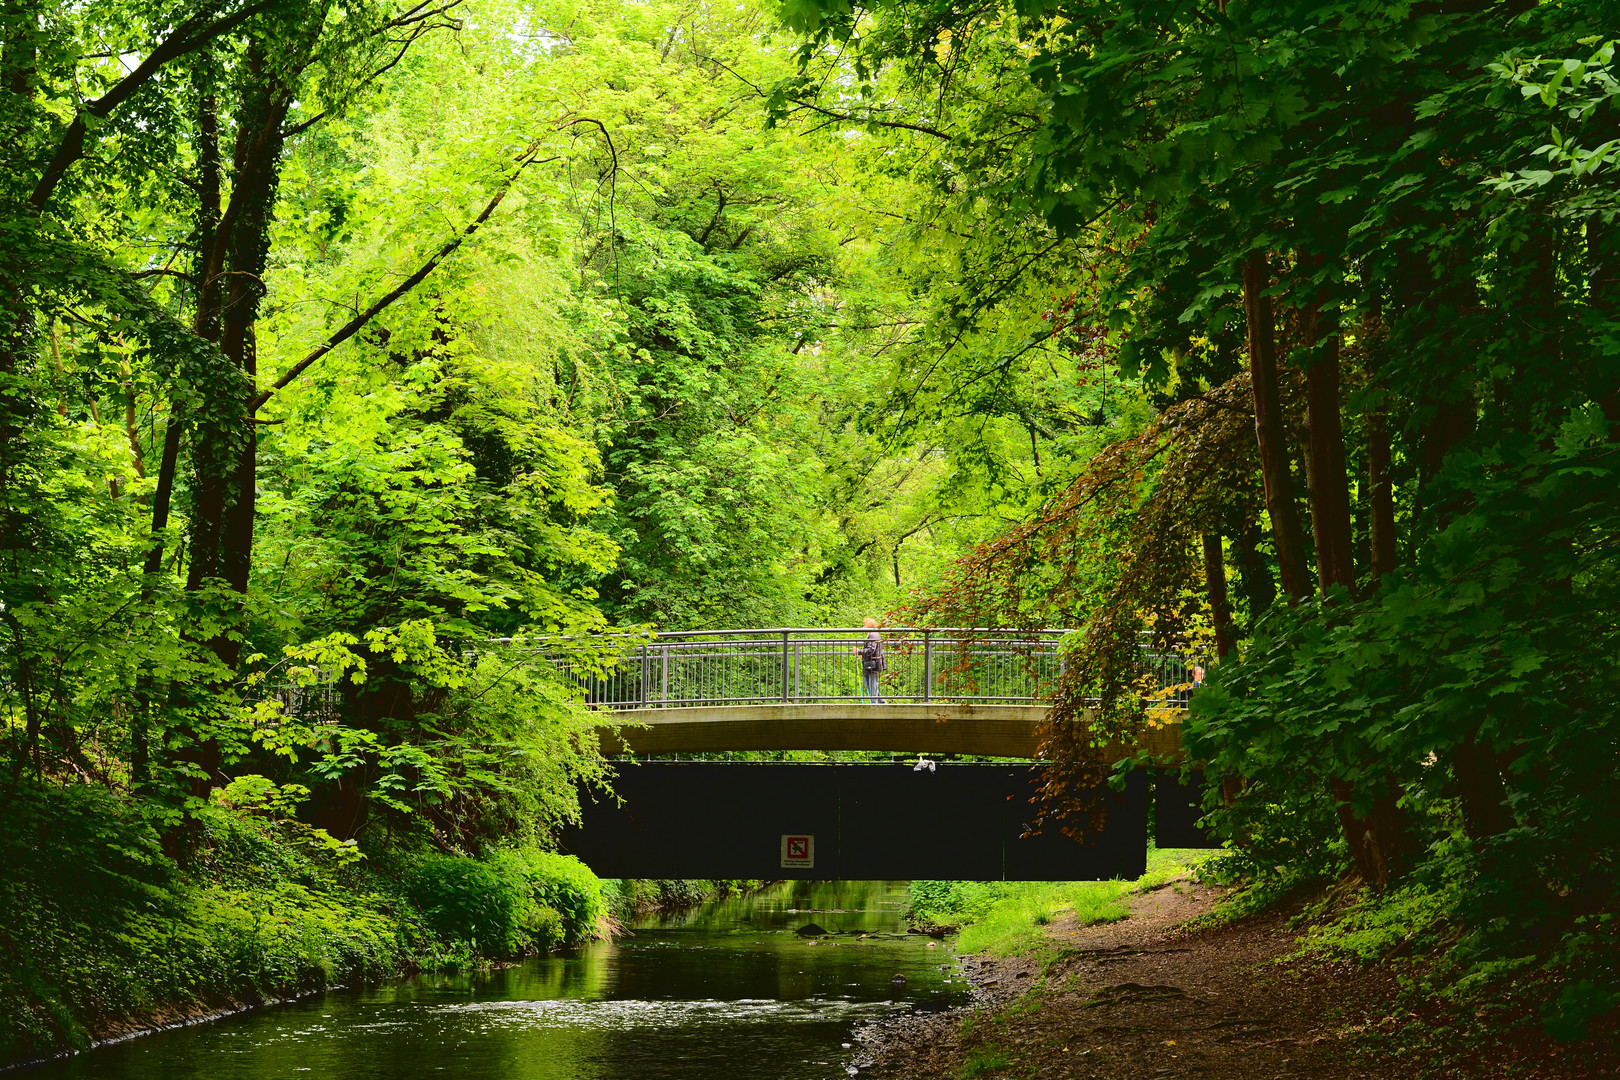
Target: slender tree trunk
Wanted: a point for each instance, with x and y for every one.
(205, 324)
(19, 408)
(1480, 784)
(1287, 533)
(1255, 584)
(1220, 608)
(205, 321)
(1382, 494)
(132, 431)
(163, 493)
(1379, 840)
(1225, 640)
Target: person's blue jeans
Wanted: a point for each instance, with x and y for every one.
(869, 682)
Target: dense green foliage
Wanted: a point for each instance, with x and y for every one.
(350, 347)
(104, 933)
(343, 342)
(1363, 256)
(520, 900)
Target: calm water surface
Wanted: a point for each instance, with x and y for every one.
(725, 992)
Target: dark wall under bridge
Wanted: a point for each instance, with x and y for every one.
(961, 822)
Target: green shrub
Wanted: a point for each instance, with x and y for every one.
(100, 926)
(951, 903)
(83, 882)
(544, 928)
(473, 900)
(560, 883)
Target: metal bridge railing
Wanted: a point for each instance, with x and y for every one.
(806, 666)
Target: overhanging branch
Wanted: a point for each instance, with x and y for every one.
(356, 324)
(189, 36)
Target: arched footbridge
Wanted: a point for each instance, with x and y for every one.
(946, 692)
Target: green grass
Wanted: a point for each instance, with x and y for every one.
(1007, 918)
(985, 1059)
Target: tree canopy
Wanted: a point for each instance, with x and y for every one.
(350, 345)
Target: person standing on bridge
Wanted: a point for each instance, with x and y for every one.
(873, 663)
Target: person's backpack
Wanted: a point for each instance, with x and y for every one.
(872, 658)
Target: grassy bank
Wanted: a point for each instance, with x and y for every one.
(1004, 918)
(114, 924)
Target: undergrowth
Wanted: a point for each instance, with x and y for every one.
(1476, 994)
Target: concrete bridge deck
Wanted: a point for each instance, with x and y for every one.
(912, 727)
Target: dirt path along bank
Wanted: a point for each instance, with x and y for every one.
(1143, 999)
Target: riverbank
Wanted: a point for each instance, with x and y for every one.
(730, 988)
(112, 931)
(1181, 989)
(108, 938)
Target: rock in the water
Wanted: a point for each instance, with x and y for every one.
(810, 930)
(898, 980)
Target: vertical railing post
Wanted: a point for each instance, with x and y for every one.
(644, 674)
(928, 665)
(785, 684)
(663, 680)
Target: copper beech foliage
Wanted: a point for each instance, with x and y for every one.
(1117, 556)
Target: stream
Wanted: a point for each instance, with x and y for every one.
(726, 991)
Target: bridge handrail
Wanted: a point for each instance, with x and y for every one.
(803, 665)
(817, 665)
(1011, 632)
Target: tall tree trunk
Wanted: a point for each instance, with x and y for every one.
(1480, 784)
(1380, 485)
(1603, 285)
(1330, 484)
(19, 404)
(222, 546)
(205, 324)
(232, 286)
(1379, 840)
(1287, 533)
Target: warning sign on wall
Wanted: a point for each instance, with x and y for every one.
(798, 852)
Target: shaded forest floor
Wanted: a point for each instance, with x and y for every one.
(1152, 998)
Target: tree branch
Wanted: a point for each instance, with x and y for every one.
(189, 36)
(897, 125)
(354, 325)
(417, 19)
